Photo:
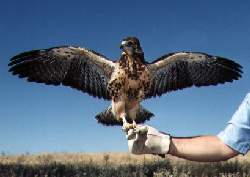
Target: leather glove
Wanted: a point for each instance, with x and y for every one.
(147, 140)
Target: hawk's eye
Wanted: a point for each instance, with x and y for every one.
(129, 43)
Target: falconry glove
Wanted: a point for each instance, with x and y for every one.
(147, 140)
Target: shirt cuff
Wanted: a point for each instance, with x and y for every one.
(237, 138)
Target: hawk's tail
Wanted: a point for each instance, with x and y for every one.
(107, 117)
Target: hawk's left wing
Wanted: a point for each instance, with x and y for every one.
(185, 69)
(79, 68)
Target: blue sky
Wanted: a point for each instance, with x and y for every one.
(39, 118)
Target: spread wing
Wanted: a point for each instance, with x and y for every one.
(79, 68)
(185, 69)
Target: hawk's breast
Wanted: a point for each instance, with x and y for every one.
(130, 80)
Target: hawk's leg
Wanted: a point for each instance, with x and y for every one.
(119, 109)
(126, 126)
(134, 124)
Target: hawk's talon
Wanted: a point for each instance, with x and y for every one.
(128, 126)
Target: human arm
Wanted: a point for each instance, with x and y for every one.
(233, 140)
(201, 148)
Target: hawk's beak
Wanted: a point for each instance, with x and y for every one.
(124, 43)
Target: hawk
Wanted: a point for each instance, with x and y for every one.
(126, 81)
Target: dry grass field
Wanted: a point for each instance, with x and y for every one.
(116, 165)
(77, 158)
(97, 158)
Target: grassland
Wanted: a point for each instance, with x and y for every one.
(116, 165)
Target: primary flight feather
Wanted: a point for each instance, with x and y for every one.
(126, 81)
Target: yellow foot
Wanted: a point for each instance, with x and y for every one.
(127, 126)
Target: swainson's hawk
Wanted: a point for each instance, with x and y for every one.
(126, 81)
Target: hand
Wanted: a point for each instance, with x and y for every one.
(147, 140)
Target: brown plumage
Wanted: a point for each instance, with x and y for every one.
(126, 81)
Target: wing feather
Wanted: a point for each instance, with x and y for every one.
(185, 69)
(76, 67)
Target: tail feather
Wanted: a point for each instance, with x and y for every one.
(143, 115)
(107, 117)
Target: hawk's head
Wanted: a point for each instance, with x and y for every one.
(131, 46)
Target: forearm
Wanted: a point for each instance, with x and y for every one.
(201, 148)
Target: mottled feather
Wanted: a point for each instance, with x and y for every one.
(79, 68)
(185, 69)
